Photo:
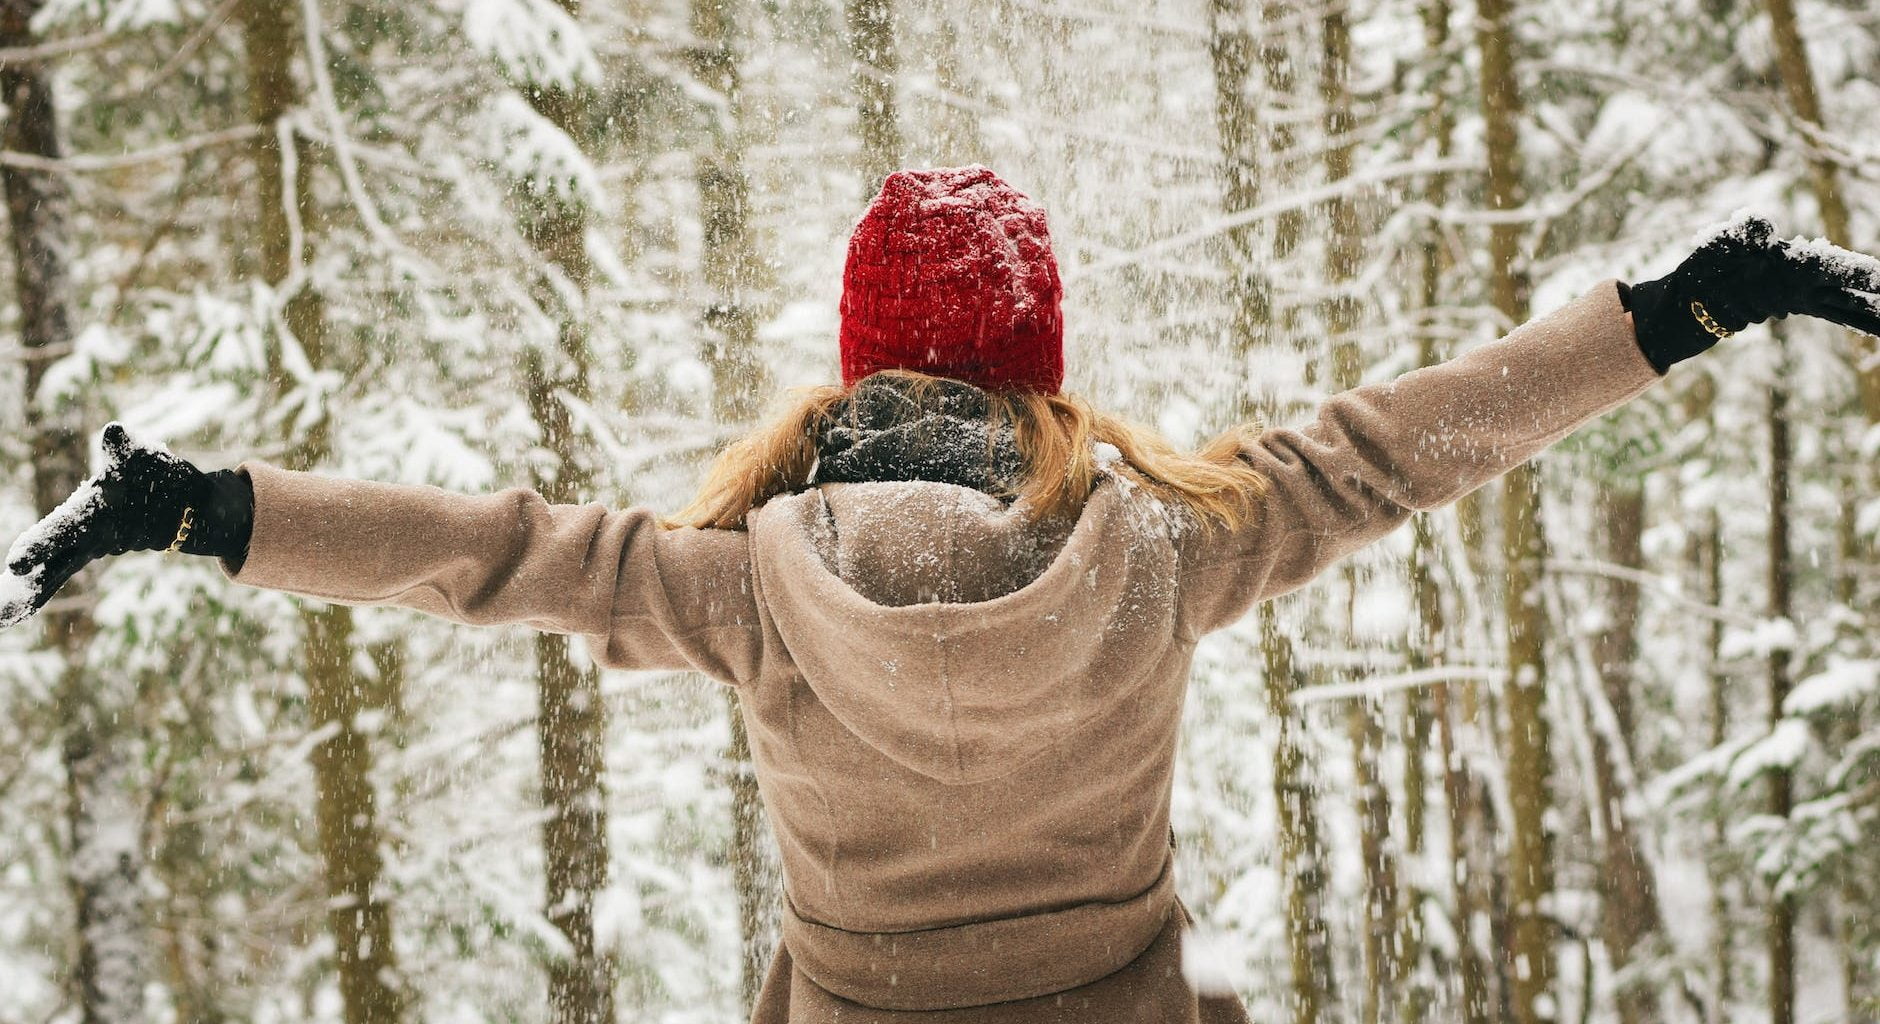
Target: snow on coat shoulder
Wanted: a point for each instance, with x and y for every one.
(954, 634)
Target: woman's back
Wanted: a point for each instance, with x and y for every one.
(990, 773)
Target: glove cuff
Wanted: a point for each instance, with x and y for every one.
(1668, 330)
(223, 517)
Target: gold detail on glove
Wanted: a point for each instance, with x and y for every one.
(182, 530)
(1707, 322)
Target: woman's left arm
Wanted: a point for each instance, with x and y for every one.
(1377, 453)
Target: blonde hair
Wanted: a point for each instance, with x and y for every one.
(1056, 437)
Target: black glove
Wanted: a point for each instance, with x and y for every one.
(1744, 275)
(145, 500)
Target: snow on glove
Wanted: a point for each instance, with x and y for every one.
(145, 500)
(1742, 274)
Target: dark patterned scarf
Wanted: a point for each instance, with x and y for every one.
(887, 429)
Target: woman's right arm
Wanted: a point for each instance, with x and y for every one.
(650, 597)
(646, 596)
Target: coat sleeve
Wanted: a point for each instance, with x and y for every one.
(645, 596)
(1377, 453)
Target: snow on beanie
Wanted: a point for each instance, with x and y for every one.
(950, 273)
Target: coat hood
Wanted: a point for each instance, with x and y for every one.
(953, 634)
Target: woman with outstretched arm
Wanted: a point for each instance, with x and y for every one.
(959, 606)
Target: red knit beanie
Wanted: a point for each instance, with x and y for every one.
(950, 273)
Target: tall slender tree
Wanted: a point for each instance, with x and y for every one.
(106, 867)
(345, 800)
(1277, 65)
(1469, 868)
(1797, 72)
(1705, 557)
(571, 717)
(1804, 98)
(1530, 760)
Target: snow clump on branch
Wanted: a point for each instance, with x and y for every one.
(533, 152)
(534, 40)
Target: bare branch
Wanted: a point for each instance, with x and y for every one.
(1379, 685)
(183, 52)
(1135, 23)
(96, 164)
(45, 353)
(1293, 201)
(56, 48)
(314, 29)
(1664, 587)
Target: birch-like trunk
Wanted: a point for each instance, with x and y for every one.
(572, 719)
(345, 801)
(105, 864)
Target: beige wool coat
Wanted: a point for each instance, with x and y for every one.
(964, 725)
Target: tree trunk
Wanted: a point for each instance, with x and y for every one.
(105, 863)
(1302, 854)
(1236, 122)
(1380, 924)
(572, 724)
(1628, 888)
(1277, 65)
(1703, 557)
(1301, 850)
(874, 67)
(1467, 857)
(1780, 930)
(346, 814)
(1523, 544)
(346, 804)
(1415, 994)
(730, 269)
(572, 718)
(1798, 80)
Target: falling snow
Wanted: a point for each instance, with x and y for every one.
(505, 231)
